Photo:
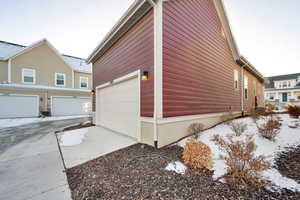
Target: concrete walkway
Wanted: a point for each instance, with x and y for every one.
(97, 142)
(30, 164)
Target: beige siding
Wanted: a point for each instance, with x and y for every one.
(46, 63)
(77, 78)
(3, 71)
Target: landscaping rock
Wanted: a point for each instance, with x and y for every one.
(138, 172)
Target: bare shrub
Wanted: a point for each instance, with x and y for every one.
(195, 130)
(271, 107)
(238, 127)
(243, 166)
(269, 128)
(197, 155)
(294, 111)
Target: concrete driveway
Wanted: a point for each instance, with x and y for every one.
(98, 141)
(30, 162)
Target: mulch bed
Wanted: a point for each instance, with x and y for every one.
(288, 163)
(138, 173)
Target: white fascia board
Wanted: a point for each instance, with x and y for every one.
(119, 80)
(127, 15)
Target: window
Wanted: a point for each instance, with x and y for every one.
(236, 79)
(246, 87)
(83, 81)
(60, 79)
(284, 84)
(28, 76)
(298, 97)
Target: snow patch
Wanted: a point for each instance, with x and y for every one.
(286, 138)
(72, 138)
(177, 167)
(5, 123)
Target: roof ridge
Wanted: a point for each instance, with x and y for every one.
(10, 43)
(284, 75)
(19, 45)
(73, 57)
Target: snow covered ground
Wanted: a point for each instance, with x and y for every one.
(4, 123)
(177, 167)
(74, 137)
(287, 137)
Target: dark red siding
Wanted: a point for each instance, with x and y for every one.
(135, 50)
(197, 62)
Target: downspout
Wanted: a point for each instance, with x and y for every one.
(157, 114)
(243, 89)
(9, 71)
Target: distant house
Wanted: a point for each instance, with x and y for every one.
(168, 64)
(283, 89)
(38, 79)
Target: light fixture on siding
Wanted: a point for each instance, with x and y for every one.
(93, 92)
(145, 76)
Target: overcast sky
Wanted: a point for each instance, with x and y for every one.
(267, 31)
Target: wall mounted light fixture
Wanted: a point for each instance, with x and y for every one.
(93, 92)
(145, 76)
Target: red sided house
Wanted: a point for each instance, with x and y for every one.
(167, 64)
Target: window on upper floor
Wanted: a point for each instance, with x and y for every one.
(236, 79)
(28, 76)
(83, 82)
(60, 79)
(246, 87)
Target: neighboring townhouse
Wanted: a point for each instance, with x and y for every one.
(168, 64)
(283, 89)
(37, 79)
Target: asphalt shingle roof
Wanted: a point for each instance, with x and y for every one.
(282, 78)
(8, 49)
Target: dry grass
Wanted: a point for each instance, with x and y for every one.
(243, 166)
(197, 155)
(195, 130)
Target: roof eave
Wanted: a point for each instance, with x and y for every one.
(242, 61)
(116, 28)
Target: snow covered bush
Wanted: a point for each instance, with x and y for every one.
(195, 129)
(243, 166)
(294, 111)
(197, 155)
(269, 127)
(238, 127)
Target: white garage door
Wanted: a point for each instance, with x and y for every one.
(63, 106)
(117, 107)
(12, 106)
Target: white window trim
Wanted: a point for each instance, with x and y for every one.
(56, 79)
(34, 76)
(236, 78)
(87, 81)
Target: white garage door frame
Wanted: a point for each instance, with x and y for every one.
(76, 97)
(133, 75)
(27, 95)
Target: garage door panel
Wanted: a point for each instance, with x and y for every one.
(118, 107)
(62, 106)
(13, 106)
